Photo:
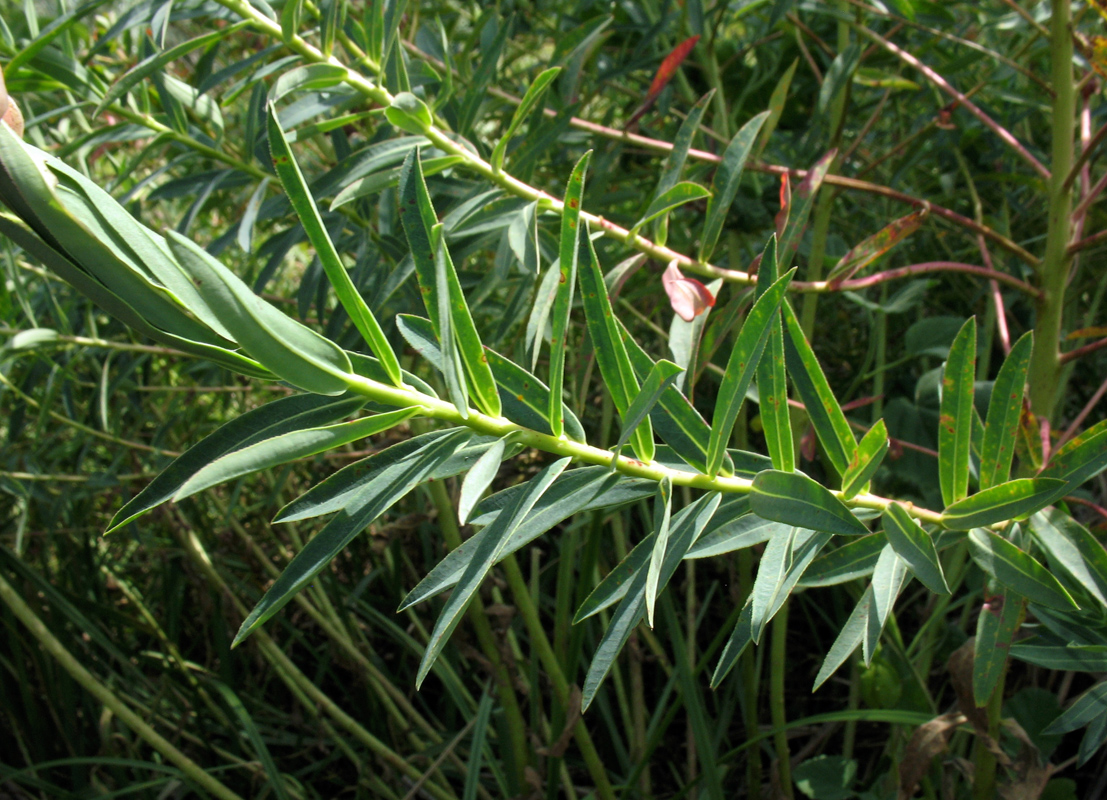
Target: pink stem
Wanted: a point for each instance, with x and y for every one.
(1084, 412)
(997, 299)
(1089, 241)
(1083, 351)
(922, 269)
(971, 107)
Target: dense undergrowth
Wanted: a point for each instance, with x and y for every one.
(947, 240)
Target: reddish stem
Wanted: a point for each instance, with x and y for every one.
(1088, 241)
(922, 269)
(1083, 351)
(1084, 412)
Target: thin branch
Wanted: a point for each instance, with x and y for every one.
(1072, 355)
(1085, 153)
(1091, 197)
(1088, 241)
(923, 269)
(1084, 412)
(971, 107)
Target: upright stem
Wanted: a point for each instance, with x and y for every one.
(1045, 363)
(777, 673)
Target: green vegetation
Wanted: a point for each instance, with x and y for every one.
(661, 363)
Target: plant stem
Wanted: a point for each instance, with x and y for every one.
(541, 645)
(447, 522)
(1044, 376)
(777, 673)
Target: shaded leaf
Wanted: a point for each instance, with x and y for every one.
(915, 546)
(1017, 570)
(1002, 424)
(955, 421)
(795, 499)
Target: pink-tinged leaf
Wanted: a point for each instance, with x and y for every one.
(803, 200)
(876, 245)
(785, 204)
(664, 74)
(689, 297)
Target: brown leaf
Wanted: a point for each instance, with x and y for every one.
(927, 741)
(960, 675)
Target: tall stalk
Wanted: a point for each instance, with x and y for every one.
(1045, 363)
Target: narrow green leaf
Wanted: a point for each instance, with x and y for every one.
(157, 62)
(915, 546)
(776, 106)
(522, 111)
(478, 479)
(955, 421)
(684, 192)
(611, 351)
(290, 19)
(286, 347)
(855, 559)
(525, 399)
(995, 631)
(282, 448)
(1012, 500)
(772, 570)
(739, 640)
(662, 510)
(410, 114)
(743, 361)
(772, 382)
(1074, 548)
(389, 178)
(540, 313)
(838, 77)
(446, 307)
(249, 730)
(686, 528)
(272, 419)
(476, 746)
(309, 77)
(822, 406)
(1081, 459)
(888, 579)
(1018, 571)
(805, 194)
(866, 460)
(661, 377)
(484, 557)
(379, 494)
(848, 639)
(569, 252)
(725, 184)
(795, 499)
(304, 204)
(1058, 656)
(1089, 706)
(674, 163)
(746, 531)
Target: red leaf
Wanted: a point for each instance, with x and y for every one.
(664, 74)
(876, 245)
(688, 297)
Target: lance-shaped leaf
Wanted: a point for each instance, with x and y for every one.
(744, 631)
(453, 369)
(577, 490)
(848, 639)
(282, 448)
(611, 352)
(995, 631)
(684, 192)
(662, 510)
(1089, 706)
(446, 308)
(525, 399)
(484, 557)
(725, 184)
(522, 111)
(771, 572)
(866, 460)
(1074, 548)
(674, 163)
(855, 559)
(309, 77)
(776, 106)
(805, 195)
(743, 361)
(387, 178)
(1018, 571)
(745, 531)
(686, 529)
(568, 252)
(888, 578)
(872, 248)
(478, 479)
(304, 204)
(272, 419)
(822, 406)
(289, 349)
(664, 74)
(915, 546)
(386, 487)
(955, 420)
(1081, 459)
(797, 500)
(661, 377)
(1011, 500)
(1001, 427)
(772, 382)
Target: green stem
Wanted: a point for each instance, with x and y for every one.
(1044, 376)
(90, 684)
(777, 673)
(505, 691)
(541, 645)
